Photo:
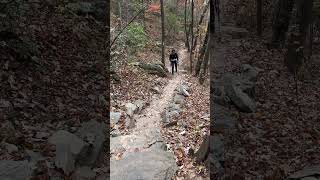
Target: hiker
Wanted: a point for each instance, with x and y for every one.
(174, 60)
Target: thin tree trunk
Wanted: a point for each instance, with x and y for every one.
(305, 18)
(162, 34)
(199, 24)
(201, 54)
(281, 20)
(209, 49)
(259, 17)
(192, 35)
(186, 26)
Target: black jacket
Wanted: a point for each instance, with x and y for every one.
(173, 56)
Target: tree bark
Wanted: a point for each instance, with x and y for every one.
(281, 20)
(199, 24)
(186, 26)
(209, 49)
(192, 35)
(162, 34)
(259, 17)
(201, 54)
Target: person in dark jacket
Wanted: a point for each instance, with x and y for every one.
(174, 60)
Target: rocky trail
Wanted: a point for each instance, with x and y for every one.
(142, 153)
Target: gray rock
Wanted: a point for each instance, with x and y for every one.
(182, 89)
(131, 109)
(94, 133)
(64, 158)
(250, 73)
(84, 173)
(130, 122)
(219, 96)
(155, 165)
(140, 105)
(308, 171)
(15, 170)
(247, 87)
(309, 178)
(175, 107)
(33, 157)
(156, 90)
(153, 69)
(168, 115)
(236, 95)
(115, 117)
(178, 99)
(11, 147)
(69, 148)
(77, 146)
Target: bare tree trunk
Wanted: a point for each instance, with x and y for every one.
(162, 34)
(199, 24)
(281, 20)
(259, 17)
(192, 35)
(297, 43)
(201, 54)
(186, 26)
(209, 49)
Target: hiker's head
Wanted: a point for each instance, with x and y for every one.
(173, 51)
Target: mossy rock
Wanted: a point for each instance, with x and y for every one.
(157, 69)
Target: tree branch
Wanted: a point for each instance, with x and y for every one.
(121, 31)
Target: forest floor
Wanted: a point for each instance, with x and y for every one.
(282, 135)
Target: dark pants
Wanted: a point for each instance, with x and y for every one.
(174, 64)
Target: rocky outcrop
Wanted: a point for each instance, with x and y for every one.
(237, 89)
(176, 105)
(157, 69)
(155, 164)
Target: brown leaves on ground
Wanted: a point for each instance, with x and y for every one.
(283, 135)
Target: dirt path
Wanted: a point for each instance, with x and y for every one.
(142, 154)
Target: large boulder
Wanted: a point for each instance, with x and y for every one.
(232, 87)
(94, 134)
(140, 105)
(183, 90)
(15, 170)
(313, 171)
(153, 69)
(155, 164)
(249, 72)
(131, 109)
(178, 99)
(69, 148)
